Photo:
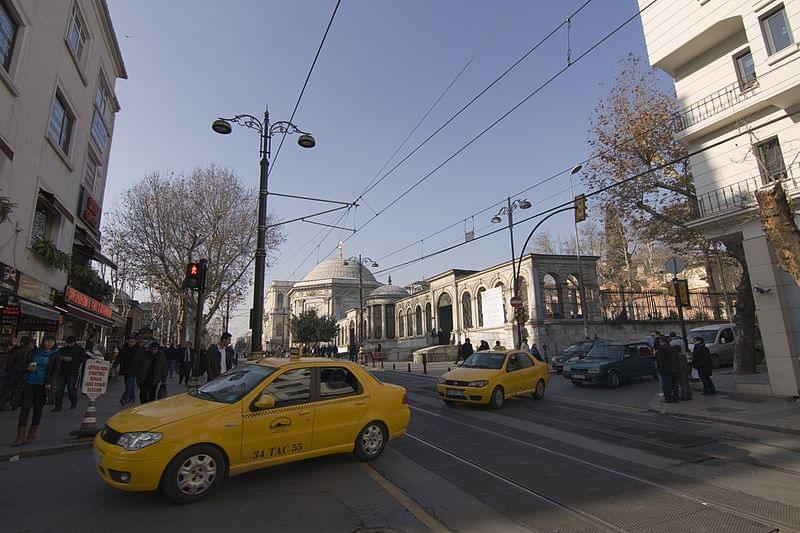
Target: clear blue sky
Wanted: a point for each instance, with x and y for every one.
(382, 66)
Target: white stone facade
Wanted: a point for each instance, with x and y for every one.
(736, 66)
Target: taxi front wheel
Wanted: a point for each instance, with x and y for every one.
(371, 441)
(193, 474)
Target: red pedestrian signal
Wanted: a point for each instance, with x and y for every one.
(195, 276)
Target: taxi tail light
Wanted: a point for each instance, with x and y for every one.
(404, 401)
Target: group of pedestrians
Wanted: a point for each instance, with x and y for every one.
(142, 368)
(674, 368)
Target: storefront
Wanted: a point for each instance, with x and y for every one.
(85, 317)
(28, 309)
(9, 313)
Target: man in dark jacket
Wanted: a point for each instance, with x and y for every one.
(220, 357)
(16, 367)
(126, 361)
(464, 351)
(701, 360)
(668, 367)
(151, 369)
(68, 363)
(185, 363)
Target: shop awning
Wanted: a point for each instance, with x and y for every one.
(94, 254)
(81, 314)
(38, 311)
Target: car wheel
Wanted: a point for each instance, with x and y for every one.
(577, 383)
(371, 441)
(613, 380)
(497, 399)
(715, 363)
(538, 392)
(193, 474)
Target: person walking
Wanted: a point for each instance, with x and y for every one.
(499, 347)
(219, 357)
(484, 346)
(126, 362)
(668, 369)
(151, 369)
(185, 366)
(464, 351)
(524, 346)
(69, 361)
(172, 360)
(701, 360)
(535, 352)
(38, 379)
(16, 366)
(685, 369)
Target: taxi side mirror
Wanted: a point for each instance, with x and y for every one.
(265, 401)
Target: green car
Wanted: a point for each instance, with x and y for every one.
(613, 364)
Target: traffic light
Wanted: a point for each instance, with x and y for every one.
(195, 276)
(580, 208)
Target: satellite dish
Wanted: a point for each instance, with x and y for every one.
(674, 265)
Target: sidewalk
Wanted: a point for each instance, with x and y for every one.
(54, 429)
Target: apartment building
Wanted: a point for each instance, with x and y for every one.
(59, 63)
(736, 67)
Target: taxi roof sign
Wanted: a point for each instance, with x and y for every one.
(294, 352)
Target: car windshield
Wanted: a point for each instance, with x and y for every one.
(708, 335)
(231, 386)
(576, 348)
(608, 351)
(485, 360)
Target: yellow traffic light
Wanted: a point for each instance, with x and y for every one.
(580, 208)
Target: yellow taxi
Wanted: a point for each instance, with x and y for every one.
(489, 377)
(253, 416)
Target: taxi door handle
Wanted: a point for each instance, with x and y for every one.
(304, 413)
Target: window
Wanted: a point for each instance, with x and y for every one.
(45, 222)
(523, 361)
(101, 97)
(76, 34)
(279, 303)
(291, 388)
(775, 27)
(60, 127)
(480, 306)
(401, 330)
(745, 69)
(418, 320)
(770, 160)
(90, 173)
(466, 310)
(337, 381)
(99, 132)
(428, 317)
(726, 336)
(409, 323)
(8, 34)
(390, 321)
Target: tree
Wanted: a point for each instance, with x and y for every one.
(166, 220)
(308, 328)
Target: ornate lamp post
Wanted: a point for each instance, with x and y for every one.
(265, 130)
(508, 211)
(361, 262)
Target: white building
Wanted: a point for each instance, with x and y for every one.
(59, 62)
(736, 65)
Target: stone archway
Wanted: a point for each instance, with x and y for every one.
(444, 310)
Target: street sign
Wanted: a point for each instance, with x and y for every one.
(95, 378)
(516, 302)
(674, 265)
(683, 292)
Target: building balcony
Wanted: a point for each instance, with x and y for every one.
(714, 104)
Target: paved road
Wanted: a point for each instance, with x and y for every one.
(579, 460)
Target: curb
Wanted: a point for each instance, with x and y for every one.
(71, 447)
(705, 418)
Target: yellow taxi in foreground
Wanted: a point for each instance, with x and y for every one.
(492, 376)
(255, 415)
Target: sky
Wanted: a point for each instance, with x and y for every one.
(383, 65)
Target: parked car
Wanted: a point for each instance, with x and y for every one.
(612, 364)
(721, 342)
(577, 350)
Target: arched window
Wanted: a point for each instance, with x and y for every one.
(418, 320)
(409, 323)
(552, 297)
(428, 318)
(503, 298)
(466, 310)
(480, 306)
(401, 330)
(279, 301)
(574, 306)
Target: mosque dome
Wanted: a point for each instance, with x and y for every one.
(336, 269)
(389, 290)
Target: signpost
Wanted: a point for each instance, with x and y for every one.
(516, 302)
(675, 265)
(94, 385)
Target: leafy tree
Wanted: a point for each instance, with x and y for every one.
(308, 328)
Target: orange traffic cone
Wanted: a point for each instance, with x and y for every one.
(89, 424)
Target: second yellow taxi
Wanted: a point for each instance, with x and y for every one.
(492, 376)
(255, 415)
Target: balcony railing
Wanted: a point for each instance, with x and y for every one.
(740, 195)
(715, 103)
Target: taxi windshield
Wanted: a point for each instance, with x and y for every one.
(231, 386)
(492, 360)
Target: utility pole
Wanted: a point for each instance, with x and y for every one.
(581, 284)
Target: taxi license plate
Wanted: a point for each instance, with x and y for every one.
(453, 393)
(578, 376)
(98, 458)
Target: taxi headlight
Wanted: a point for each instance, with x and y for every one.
(594, 371)
(441, 380)
(478, 384)
(138, 439)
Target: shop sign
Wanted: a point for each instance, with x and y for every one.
(85, 302)
(89, 210)
(34, 290)
(9, 278)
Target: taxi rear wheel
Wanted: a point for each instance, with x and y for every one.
(371, 441)
(193, 474)
(538, 392)
(497, 399)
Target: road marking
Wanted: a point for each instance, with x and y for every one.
(405, 500)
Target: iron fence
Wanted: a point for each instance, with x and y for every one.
(655, 305)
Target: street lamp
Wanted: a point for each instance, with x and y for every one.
(581, 286)
(224, 126)
(360, 261)
(509, 212)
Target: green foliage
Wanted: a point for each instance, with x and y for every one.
(308, 328)
(6, 206)
(52, 255)
(81, 277)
